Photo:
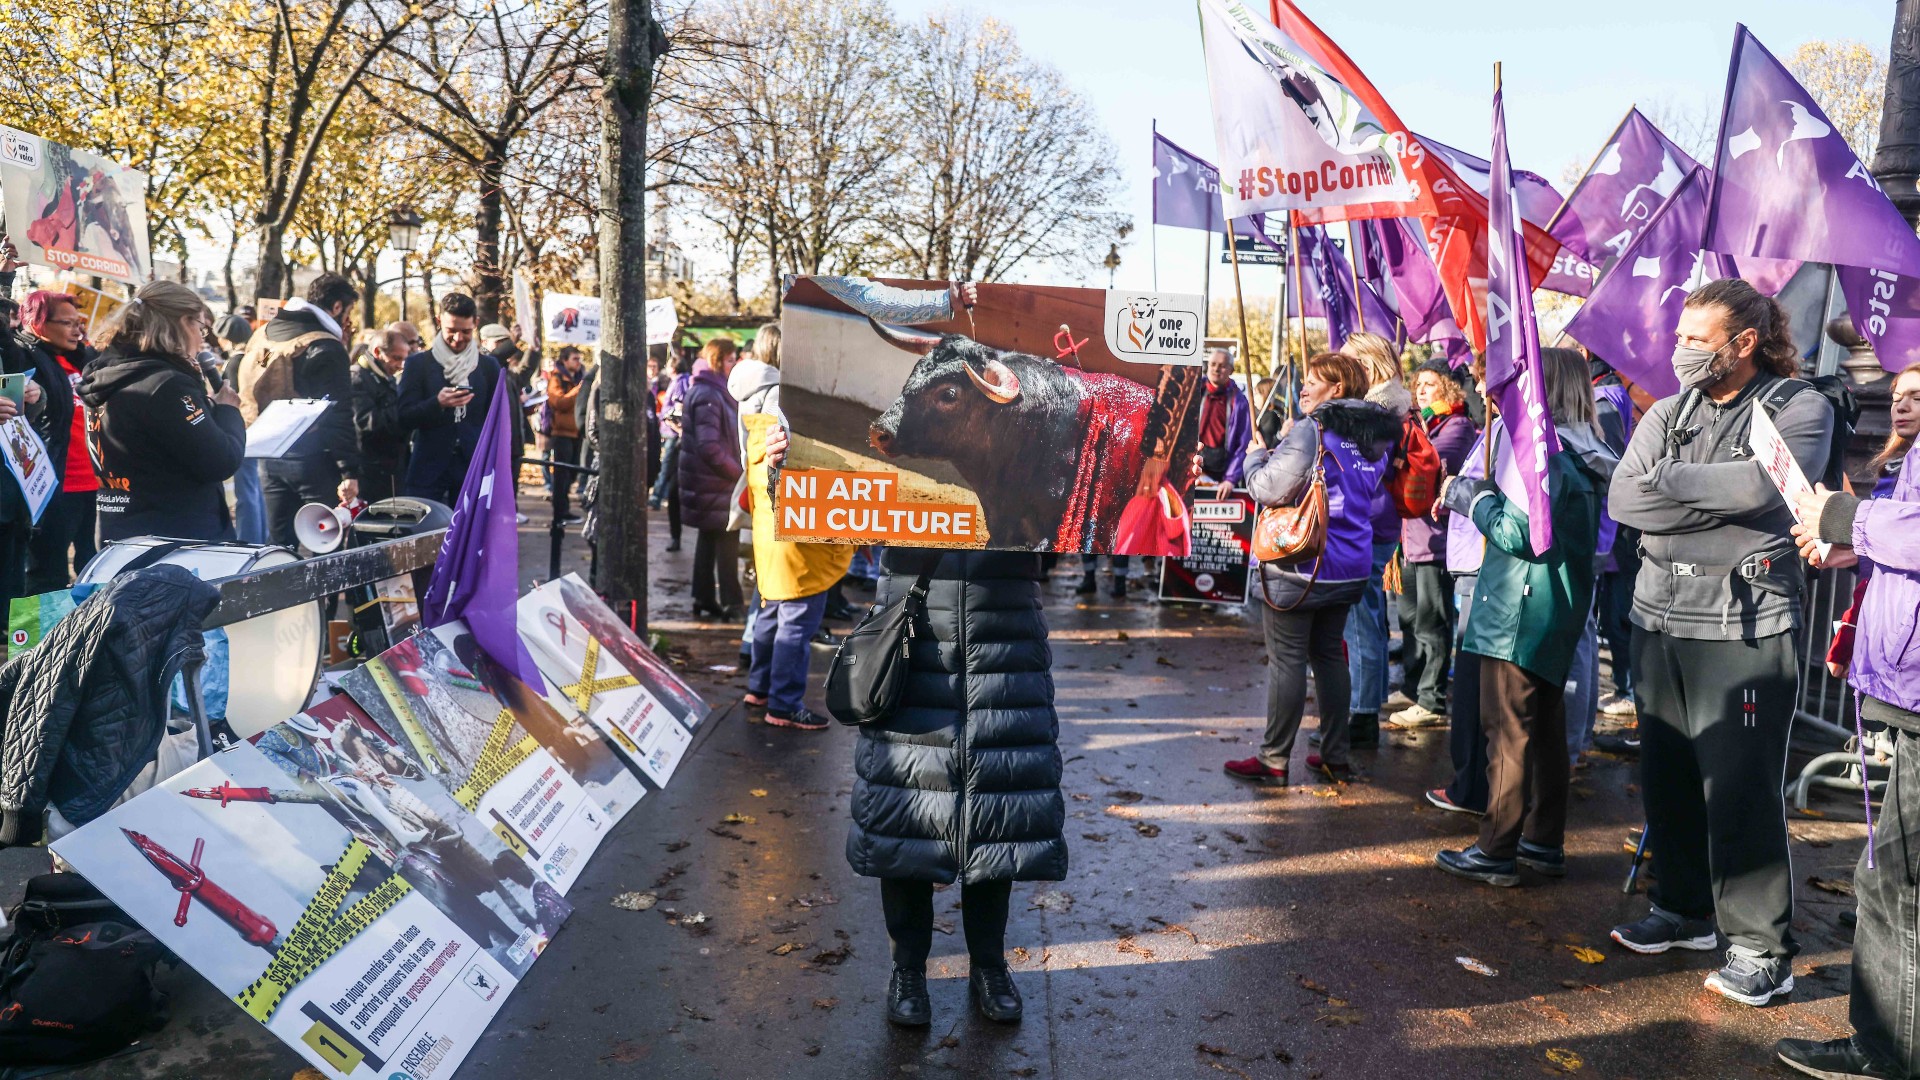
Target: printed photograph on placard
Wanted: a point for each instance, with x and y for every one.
(443, 716)
(336, 753)
(576, 744)
(601, 670)
(284, 910)
(1013, 417)
(73, 209)
(1218, 568)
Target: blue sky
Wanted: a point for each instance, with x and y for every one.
(1571, 71)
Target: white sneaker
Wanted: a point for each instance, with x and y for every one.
(520, 519)
(1418, 716)
(1618, 706)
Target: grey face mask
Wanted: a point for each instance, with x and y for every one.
(1698, 369)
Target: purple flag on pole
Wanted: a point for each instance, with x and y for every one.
(1885, 308)
(1186, 194)
(1632, 175)
(1538, 202)
(1630, 318)
(1328, 283)
(1787, 186)
(1402, 272)
(477, 577)
(1515, 379)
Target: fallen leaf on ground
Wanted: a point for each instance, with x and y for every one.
(1233, 836)
(1098, 838)
(1147, 829)
(635, 901)
(1121, 635)
(676, 845)
(1465, 1018)
(812, 1051)
(758, 793)
(739, 819)
(1126, 796)
(695, 919)
(1163, 661)
(948, 1042)
(1475, 966)
(821, 900)
(1832, 885)
(825, 1003)
(833, 957)
(1586, 955)
(1208, 1048)
(786, 947)
(625, 1052)
(1052, 900)
(695, 1013)
(1567, 1060)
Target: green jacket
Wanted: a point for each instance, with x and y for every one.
(1530, 609)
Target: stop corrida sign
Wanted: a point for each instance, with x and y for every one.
(1216, 571)
(824, 504)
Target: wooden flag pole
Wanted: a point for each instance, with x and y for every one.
(1239, 303)
(1353, 260)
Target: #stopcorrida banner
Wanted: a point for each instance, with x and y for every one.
(250, 877)
(74, 210)
(1217, 570)
(1039, 419)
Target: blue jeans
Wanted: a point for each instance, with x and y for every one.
(782, 642)
(249, 503)
(1583, 687)
(1366, 637)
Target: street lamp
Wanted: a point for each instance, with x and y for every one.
(403, 235)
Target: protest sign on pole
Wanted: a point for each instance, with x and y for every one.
(523, 310)
(566, 319)
(74, 210)
(1216, 570)
(663, 321)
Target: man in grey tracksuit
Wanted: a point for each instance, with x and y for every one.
(1716, 641)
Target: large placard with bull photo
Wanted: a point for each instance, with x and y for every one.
(72, 209)
(1011, 417)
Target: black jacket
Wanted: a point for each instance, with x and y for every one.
(83, 711)
(321, 371)
(964, 780)
(161, 447)
(442, 446)
(376, 419)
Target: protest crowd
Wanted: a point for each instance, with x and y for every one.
(1546, 551)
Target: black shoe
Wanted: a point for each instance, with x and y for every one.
(673, 545)
(746, 659)
(705, 611)
(1087, 587)
(1365, 730)
(1476, 864)
(825, 639)
(1752, 981)
(907, 1001)
(1657, 933)
(1549, 861)
(801, 720)
(1119, 590)
(995, 995)
(841, 613)
(1836, 1059)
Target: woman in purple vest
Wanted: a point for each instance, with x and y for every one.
(1307, 606)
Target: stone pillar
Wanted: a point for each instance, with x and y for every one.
(1896, 164)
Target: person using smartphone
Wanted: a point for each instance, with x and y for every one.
(444, 395)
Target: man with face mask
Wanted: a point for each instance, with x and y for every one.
(1716, 629)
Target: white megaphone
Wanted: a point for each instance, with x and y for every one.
(320, 528)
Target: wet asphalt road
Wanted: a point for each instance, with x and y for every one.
(1207, 928)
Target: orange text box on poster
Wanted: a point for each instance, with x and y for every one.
(865, 507)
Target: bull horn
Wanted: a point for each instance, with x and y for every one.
(1000, 384)
(918, 344)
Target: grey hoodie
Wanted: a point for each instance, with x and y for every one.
(1721, 563)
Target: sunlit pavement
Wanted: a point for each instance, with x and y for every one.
(1207, 928)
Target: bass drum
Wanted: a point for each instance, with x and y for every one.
(275, 657)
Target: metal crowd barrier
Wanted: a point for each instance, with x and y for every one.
(1827, 705)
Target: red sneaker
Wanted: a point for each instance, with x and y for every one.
(1254, 770)
(1339, 774)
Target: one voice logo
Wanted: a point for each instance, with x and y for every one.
(20, 149)
(1159, 328)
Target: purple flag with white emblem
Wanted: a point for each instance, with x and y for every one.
(1402, 272)
(1515, 379)
(1787, 186)
(477, 576)
(1186, 194)
(1617, 197)
(1630, 318)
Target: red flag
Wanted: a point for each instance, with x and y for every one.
(1453, 214)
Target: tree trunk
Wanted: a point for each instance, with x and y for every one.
(226, 271)
(271, 280)
(489, 282)
(633, 42)
(368, 291)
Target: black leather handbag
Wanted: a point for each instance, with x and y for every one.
(869, 670)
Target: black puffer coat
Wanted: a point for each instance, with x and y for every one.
(83, 711)
(964, 781)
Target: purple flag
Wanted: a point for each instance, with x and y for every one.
(1617, 197)
(1787, 186)
(1515, 379)
(1885, 308)
(1538, 203)
(1630, 318)
(477, 575)
(1327, 283)
(1186, 194)
(1400, 269)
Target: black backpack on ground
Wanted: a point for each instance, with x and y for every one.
(76, 977)
(869, 670)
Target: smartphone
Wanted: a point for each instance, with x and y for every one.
(15, 387)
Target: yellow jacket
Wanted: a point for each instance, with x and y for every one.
(787, 571)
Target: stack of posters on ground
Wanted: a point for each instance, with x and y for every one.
(1218, 568)
(596, 666)
(373, 876)
(994, 416)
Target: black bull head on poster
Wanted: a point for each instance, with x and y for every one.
(1016, 428)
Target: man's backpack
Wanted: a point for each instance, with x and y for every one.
(265, 373)
(76, 976)
(1413, 480)
(1846, 413)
